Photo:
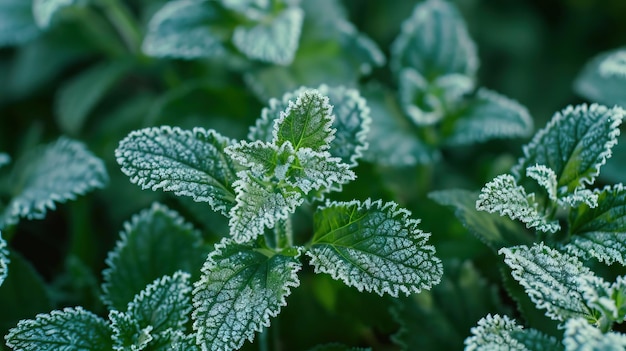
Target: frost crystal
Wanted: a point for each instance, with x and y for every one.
(4, 260)
(580, 336)
(502, 333)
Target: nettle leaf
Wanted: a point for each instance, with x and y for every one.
(174, 340)
(435, 41)
(545, 177)
(503, 196)
(550, 279)
(187, 162)
(580, 335)
(605, 88)
(606, 298)
(495, 332)
(185, 29)
(489, 115)
(4, 260)
(574, 144)
(318, 170)
(167, 243)
(44, 10)
(306, 123)
(17, 24)
(262, 158)
(69, 329)
(79, 96)
(52, 174)
(600, 231)
(272, 39)
(240, 289)
(164, 304)
(373, 247)
(127, 333)
(614, 65)
(260, 205)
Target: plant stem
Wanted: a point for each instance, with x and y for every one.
(264, 340)
(124, 23)
(283, 234)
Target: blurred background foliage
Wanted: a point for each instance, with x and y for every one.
(530, 50)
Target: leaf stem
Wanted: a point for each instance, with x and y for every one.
(120, 17)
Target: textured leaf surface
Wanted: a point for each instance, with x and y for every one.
(172, 340)
(187, 162)
(69, 329)
(575, 144)
(600, 232)
(184, 29)
(614, 65)
(274, 40)
(166, 243)
(17, 24)
(239, 291)
(318, 169)
(592, 84)
(373, 247)
(435, 42)
(550, 279)
(52, 174)
(495, 332)
(263, 158)
(44, 10)
(127, 333)
(502, 195)
(580, 336)
(79, 96)
(490, 115)
(4, 260)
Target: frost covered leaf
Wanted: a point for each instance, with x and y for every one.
(44, 10)
(239, 291)
(69, 329)
(163, 304)
(80, 95)
(495, 332)
(272, 40)
(608, 299)
(168, 244)
(598, 87)
(502, 195)
(306, 123)
(490, 115)
(374, 247)
(580, 336)
(185, 29)
(319, 170)
(52, 174)
(259, 205)
(550, 279)
(174, 340)
(127, 333)
(600, 232)
(435, 42)
(545, 177)
(17, 24)
(614, 65)
(187, 162)
(574, 144)
(4, 260)
(263, 158)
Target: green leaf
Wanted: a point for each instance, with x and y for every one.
(17, 24)
(490, 115)
(127, 333)
(185, 29)
(164, 304)
(607, 299)
(273, 40)
(580, 336)
(69, 329)
(495, 332)
(545, 177)
(52, 174)
(503, 196)
(614, 65)
(167, 244)
(187, 162)
(550, 279)
(595, 84)
(574, 144)
(373, 247)
(306, 123)
(492, 229)
(262, 158)
(81, 94)
(174, 340)
(319, 170)
(44, 10)
(435, 42)
(600, 231)
(4, 260)
(239, 291)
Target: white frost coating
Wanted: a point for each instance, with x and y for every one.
(578, 197)
(187, 162)
(544, 177)
(272, 40)
(163, 304)
(581, 336)
(503, 196)
(240, 290)
(127, 334)
(53, 173)
(44, 10)
(495, 332)
(262, 158)
(614, 65)
(373, 247)
(601, 296)
(263, 128)
(574, 144)
(4, 260)
(70, 328)
(550, 279)
(319, 170)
